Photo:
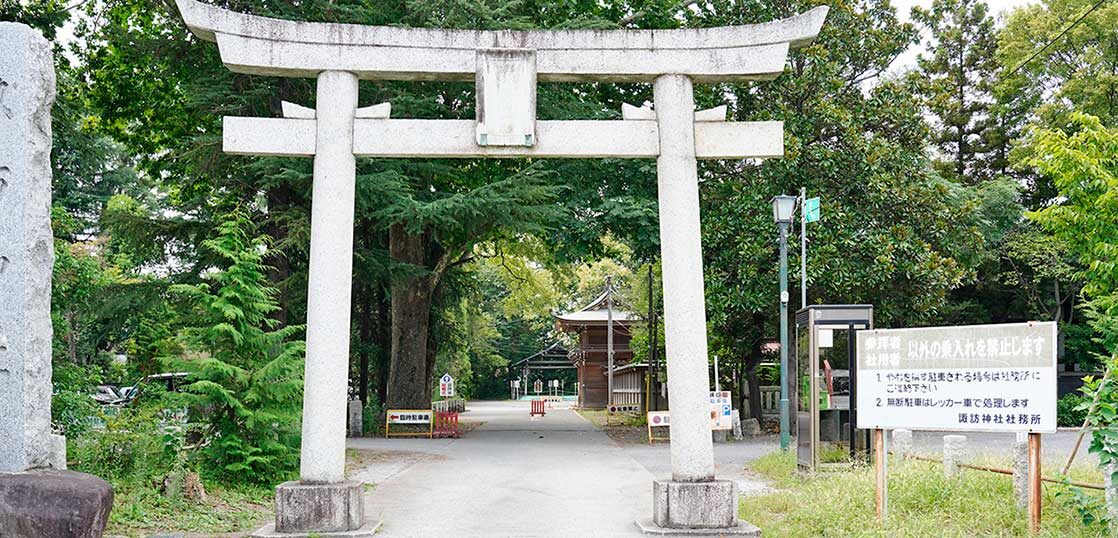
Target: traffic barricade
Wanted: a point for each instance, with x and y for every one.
(538, 408)
(446, 424)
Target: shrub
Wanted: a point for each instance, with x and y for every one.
(372, 416)
(246, 384)
(73, 410)
(128, 449)
(1070, 409)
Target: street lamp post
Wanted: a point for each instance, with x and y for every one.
(783, 207)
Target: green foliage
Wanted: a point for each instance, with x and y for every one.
(1080, 159)
(1088, 506)
(44, 15)
(128, 449)
(1079, 72)
(1071, 410)
(140, 510)
(955, 79)
(893, 232)
(372, 416)
(72, 409)
(246, 375)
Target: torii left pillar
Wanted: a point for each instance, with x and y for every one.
(323, 501)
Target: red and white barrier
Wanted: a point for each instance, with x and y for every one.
(446, 425)
(538, 408)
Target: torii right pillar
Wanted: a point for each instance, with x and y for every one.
(692, 500)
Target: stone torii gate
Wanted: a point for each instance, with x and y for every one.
(506, 66)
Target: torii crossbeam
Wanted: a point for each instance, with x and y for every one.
(506, 66)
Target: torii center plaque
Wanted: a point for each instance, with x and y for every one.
(506, 66)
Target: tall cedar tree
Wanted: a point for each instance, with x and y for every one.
(956, 81)
(246, 383)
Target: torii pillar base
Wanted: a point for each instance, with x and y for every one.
(325, 510)
(695, 509)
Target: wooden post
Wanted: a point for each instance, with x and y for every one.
(879, 473)
(1034, 482)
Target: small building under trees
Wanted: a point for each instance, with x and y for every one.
(552, 362)
(591, 354)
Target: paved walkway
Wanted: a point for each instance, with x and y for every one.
(553, 476)
(512, 476)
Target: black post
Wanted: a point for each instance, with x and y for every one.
(851, 367)
(653, 367)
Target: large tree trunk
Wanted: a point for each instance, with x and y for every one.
(409, 372)
(752, 360)
(366, 335)
(384, 345)
(432, 352)
(279, 199)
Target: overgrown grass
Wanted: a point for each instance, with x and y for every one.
(140, 510)
(140, 454)
(922, 502)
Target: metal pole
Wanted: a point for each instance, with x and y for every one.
(609, 338)
(879, 472)
(717, 385)
(785, 418)
(803, 248)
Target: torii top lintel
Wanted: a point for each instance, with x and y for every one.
(265, 46)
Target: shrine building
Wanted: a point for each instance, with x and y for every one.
(590, 356)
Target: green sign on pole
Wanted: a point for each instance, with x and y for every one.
(811, 210)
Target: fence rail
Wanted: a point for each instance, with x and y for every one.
(455, 405)
(770, 400)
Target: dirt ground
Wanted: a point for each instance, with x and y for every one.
(622, 428)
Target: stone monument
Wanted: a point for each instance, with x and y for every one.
(505, 66)
(37, 496)
(26, 248)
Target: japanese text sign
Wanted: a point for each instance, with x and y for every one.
(409, 416)
(624, 408)
(721, 417)
(976, 377)
(446, 386)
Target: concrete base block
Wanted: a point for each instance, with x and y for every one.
(647, 526)
(695, 505)
(902, 444)
(355, 423)
(303, 508)
(58, 504)
(367, 531)
(954, 452)
(1021, 469)
(58, 452)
